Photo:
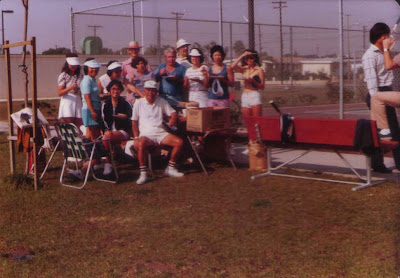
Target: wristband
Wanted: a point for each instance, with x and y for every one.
(385, 50)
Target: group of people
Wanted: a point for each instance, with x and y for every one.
(150, 96)
(378, 66)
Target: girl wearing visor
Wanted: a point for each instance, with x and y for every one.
(114, 70)
(197, 78)
(70, 110)
(91, 99)
(253, 76)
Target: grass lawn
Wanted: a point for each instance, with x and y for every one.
(221, 225)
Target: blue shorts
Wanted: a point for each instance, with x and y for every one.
(87, 118)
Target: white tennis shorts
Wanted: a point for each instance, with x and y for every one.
(250, 99)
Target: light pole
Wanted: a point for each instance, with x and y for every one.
(2, 23)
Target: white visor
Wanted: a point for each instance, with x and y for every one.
(92, 64)
(194, 53)
(73, 61)
(114, 66)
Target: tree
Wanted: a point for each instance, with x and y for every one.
(56, 51)
(151, 50)
(238, 47)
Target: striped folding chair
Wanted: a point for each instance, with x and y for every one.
(75, 148)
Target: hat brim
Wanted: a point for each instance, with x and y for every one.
(183, 45)
(133, 47)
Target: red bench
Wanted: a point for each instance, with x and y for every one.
(310, 134)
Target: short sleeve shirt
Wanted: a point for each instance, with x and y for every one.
(150, 116)
(172, 88)
(196, 73)
(89, 87)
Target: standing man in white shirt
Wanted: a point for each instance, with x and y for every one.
(182, 50)
(378, 80)
(148, 130)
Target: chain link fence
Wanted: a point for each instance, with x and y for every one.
(310, 64)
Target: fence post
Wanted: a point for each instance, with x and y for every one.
(34, 112)
(10, 109)
(158, 41)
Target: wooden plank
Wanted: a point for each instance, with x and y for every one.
(17, 44)
(34, 110)
(10, 109)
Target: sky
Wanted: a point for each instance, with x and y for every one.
(49, 20)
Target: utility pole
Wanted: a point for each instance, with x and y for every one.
(281, 5)
(251, 24)
(348, 46)
(95, 27)
(177, 17)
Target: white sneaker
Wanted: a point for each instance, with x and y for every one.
(107, 169)
(77, 174)
(142, 178)
(98, 167)
(384, 132)
(173, 172)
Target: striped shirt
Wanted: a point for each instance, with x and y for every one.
(375, 73)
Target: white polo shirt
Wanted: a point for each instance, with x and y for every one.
(150, 116)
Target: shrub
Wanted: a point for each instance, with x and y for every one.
(332, 92)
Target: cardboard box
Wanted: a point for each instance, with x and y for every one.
(206, 119)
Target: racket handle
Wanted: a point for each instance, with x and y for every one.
(275, 107)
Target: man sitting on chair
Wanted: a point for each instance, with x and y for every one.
(147, 127)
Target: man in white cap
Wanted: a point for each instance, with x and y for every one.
(182, 49)
(148, 130)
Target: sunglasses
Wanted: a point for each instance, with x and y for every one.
(118, 70)
(137, 49)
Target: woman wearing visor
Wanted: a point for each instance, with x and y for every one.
(70, 110)
(254, 81)
(114, 70)
(91, 99)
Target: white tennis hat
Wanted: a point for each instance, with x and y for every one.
(114, 66)
(73, 61)
(180, 43)
(92, 64)
(150, 84)
(194, 53)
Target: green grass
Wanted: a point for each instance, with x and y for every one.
(221, 225)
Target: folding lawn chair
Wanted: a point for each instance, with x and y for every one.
(75, 147)
(51, 144)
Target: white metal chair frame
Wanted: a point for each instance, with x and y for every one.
(74, 146)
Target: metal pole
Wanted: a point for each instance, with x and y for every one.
(251, 23)
(341, 59)
(221, 38)
(34, 111)
(72, 31)
(281, 37)
(10, 109)
(158, 41)
(259, 38)
(348, 47)
(231, 40)
(2, 28)
(364, 37)
(291, 55)
(142, 27)
(133, 20)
